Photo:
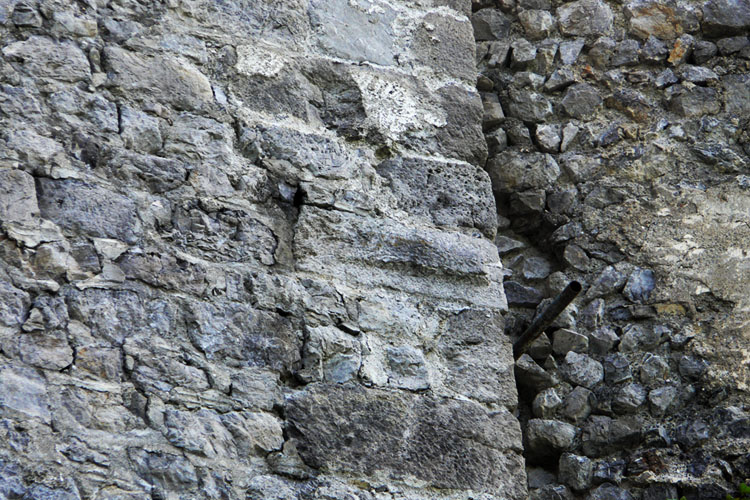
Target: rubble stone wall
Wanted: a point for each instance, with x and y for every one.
(619, 135)
(247, 252)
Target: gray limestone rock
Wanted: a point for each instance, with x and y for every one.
(610, 492)
(511, 171)
(537, 24)
(549, 137)
(584, 17)
(638, 337)
(578, 405)
(617, 369)
(349, 31)
(569, 51)
(725, 17)
(523, 53)
(23, 394)
(661, 399)
(654, 369)
(78, 206)
(520, 295)
(547, 439)
(565, 340)
(546, 403)
(629, 398)
(602, 340)
(43, 57)
(490, 24)
(456, 442)
(449, 194)
(580, 369)
(531, 376)
(695, 101)
(575, 471)
(581, 100)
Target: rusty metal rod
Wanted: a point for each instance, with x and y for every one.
(546, 318)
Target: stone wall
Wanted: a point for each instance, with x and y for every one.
(247, 253)
(618, 139)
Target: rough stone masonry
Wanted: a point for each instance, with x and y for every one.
(247, 252)
(251, 249)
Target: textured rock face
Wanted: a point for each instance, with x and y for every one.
(620, 159)
(246, 252)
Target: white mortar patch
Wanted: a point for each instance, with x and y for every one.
(395, 108)
(255, 60)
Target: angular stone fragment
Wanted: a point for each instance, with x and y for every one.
(602, 340)
(568, 340)
(575, 471)
(546, 403)
(654, 50)
(560, 79)
(520, 295)
(531, 376)
(450, 194)
(537, 24)
(511, 171)
(548, 138)
(490, 24)
(639, 337)
(140, 131)
(578, 404)
(569, 51)
(547, 439)
(616, 369)
(581, 100)
(703, 51)
(42, 57)
(697, 74)
(725, 17)
(664, 20)
(580, 369)
(584, 18)
(610, 492)
(454, 444)
(629, 398)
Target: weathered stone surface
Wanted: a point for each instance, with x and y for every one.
(511, 171)
(575, 471)
(584, 17)
(167, 79)
(339, 32)
(43, 57)
(450, 194)
(725, 17)
(665, 21)
(547, 439)
(23, 394)
(581, 100)
(490, 24)
(580, 369)
(455, 443)
(78, 206)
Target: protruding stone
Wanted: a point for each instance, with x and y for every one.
(584, 18)
(575, 471)
(578, 405)
(537, 24)
(725, 17)
(547, 439)
(490, 24)
(546, 403)
(580, 369)
(568, 340)
(629, 398)
(616, 369)
(548, 138)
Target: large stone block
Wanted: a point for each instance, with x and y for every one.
(451, 444)
(449, 194)
(81, 207)
(384, 252)
(354, 30)
(43, 57)
(164, 79)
